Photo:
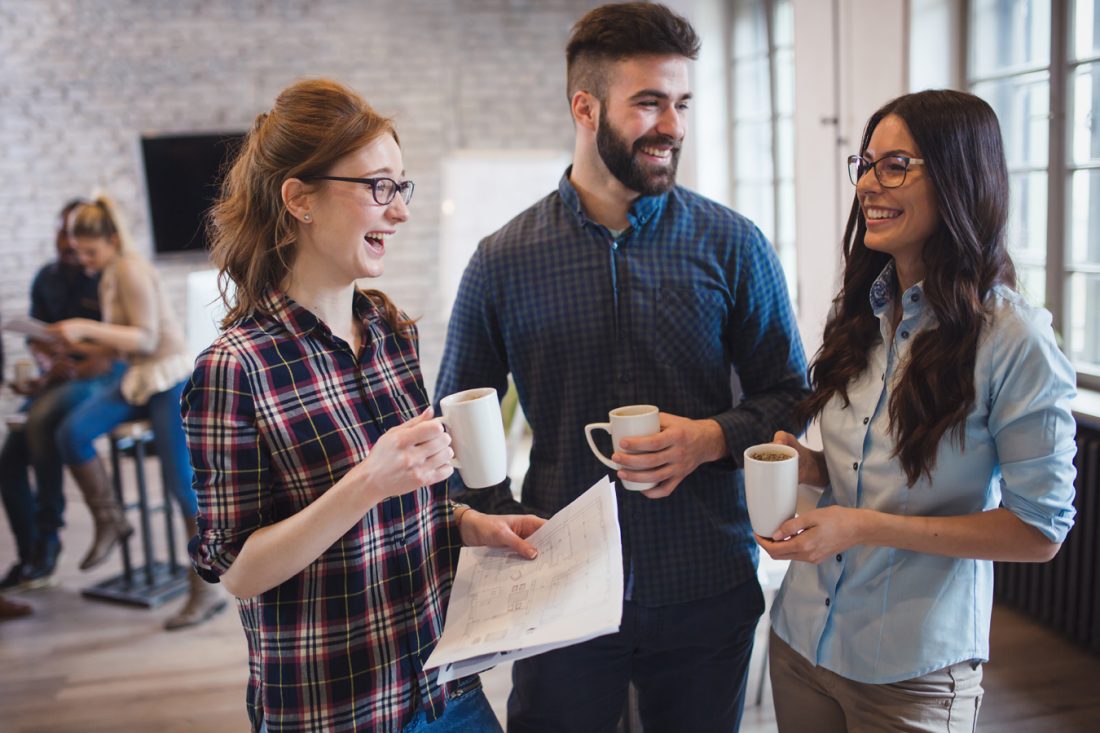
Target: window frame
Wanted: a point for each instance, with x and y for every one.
(1059, 169)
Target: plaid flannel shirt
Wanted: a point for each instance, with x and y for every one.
(278, 409)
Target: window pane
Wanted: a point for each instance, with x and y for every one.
(785, 224)
(1086, 129)
(1086, 29)
(1027, 218)
(1084, 327)
(784, 82)
(1022, 105)
(1032, 284)
(754, 200)
(751, 92)
(1084, 224)
(783, 23)
(750, 32)
(752, 151)
(784, 130)
(1007, 34)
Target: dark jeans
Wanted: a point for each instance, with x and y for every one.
(38, 515)
(689, 662)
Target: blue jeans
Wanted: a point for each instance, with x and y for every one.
(689, 662)
(36, 516)
(107, 409)
(467, 714)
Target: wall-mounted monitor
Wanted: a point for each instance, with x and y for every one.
(183, 174)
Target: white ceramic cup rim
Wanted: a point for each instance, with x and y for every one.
(769, 447)
(467, 395)
(633, 411)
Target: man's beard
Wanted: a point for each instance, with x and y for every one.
(622, 160)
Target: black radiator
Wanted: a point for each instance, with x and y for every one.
(1064, 594)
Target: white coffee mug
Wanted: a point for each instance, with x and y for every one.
(771, 486)
(473, 419)
(626, 422)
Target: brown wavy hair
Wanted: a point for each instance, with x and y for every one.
(311, 126)
(960, 140)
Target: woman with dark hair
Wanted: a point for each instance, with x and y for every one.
(948, 438)
(318, 467)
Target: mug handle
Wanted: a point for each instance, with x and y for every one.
(605, 426)
(443, 421)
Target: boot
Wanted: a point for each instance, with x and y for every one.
(204, 601)
(110, 520)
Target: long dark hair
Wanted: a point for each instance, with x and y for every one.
(960, 140)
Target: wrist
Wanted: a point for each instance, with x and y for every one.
(717, 447)
(460, 511)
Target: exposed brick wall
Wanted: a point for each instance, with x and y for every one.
(81, 80)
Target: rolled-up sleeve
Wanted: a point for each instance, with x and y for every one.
(230, 460)
(1032, 423)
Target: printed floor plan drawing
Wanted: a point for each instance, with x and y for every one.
(503, 605)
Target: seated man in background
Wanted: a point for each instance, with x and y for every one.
(10, 609)
(61, 289)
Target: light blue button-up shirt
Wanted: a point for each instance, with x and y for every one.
(880, 614)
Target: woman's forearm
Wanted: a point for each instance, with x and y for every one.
(275, 553)
(127, 339)
(997, 534)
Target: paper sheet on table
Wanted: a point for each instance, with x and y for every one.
(506, 607)
(28, 326)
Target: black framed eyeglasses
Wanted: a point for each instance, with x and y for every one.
(384, 190)
(890, 170)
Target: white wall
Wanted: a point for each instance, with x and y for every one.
(850, 58)
(80, 81)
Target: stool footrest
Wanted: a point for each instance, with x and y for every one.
(169, 581)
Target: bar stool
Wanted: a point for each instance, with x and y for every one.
(154, 581)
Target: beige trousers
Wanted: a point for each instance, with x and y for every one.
(809, 698)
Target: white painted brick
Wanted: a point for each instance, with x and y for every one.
(81, 80)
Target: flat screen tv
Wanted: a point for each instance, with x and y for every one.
(182, 175)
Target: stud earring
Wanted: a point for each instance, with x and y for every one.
(307, 217)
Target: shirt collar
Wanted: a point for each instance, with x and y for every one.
(884, 287)
(641, 211)
(301, 321)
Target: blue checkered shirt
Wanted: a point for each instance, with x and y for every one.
(662, 314)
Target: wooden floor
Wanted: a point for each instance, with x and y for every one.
(80, 665)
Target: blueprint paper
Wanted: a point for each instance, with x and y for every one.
(504, 606)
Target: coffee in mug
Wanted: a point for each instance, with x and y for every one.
(473, 419)
(625, 422)
(771, 486)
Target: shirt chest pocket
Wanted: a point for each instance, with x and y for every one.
(688, 322)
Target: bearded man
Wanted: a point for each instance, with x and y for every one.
(623, 288)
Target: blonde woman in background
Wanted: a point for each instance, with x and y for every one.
(138, 324)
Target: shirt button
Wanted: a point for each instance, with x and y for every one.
(905, 334)
(914, 297)
(614, 245)
(866, 420)
(827, 601)
(839, 558)
(855, 466)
